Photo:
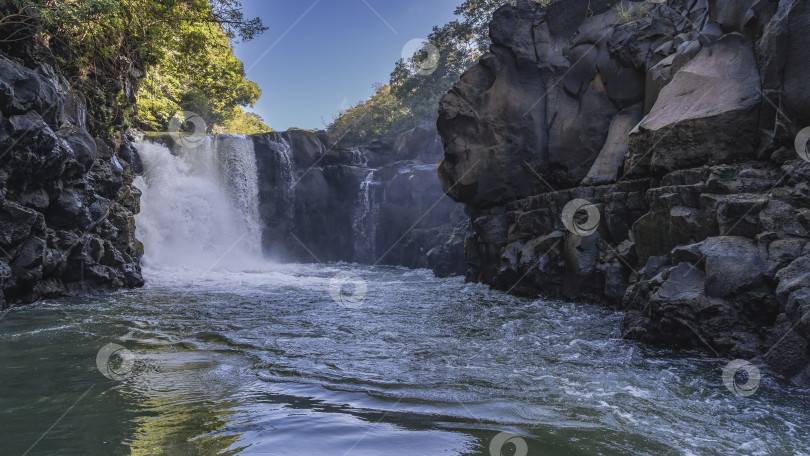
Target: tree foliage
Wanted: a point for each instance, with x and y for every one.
(207, 79)
(412, 94)
(178, 51)
(242, 123)
(372, 119)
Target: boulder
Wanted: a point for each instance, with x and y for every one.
(732, 264)
(24, 90)
(707, 114)
(421, 143)
(683, 283)
(794, 277)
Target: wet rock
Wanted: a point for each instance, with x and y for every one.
(16, 223)
(130, 156)
(67, 210)
(82, 148)
(23, 90)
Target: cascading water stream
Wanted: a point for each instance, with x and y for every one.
(365, 222)
(199, 207)
(284, 180)
(241, 180)
(358, 158)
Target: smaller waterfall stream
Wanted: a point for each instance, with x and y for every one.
(365, 222)
(200, 206)
(277, 194)
(284, 179)
(241, 180)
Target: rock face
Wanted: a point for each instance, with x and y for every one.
(67, 203)
(645, 159)
(379, 204)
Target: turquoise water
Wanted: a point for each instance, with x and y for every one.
(267, 362)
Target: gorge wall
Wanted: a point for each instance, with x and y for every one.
(67, 202)
(379, 204)
(650, 156)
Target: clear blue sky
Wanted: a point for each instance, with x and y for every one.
(333, 54)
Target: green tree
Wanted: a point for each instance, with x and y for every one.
(477, 15)
(420, 91)
(413, 94)
(108, 45)
(242, 123)
(207, 79)
(376, 118)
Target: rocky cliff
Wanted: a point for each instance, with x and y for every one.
(650, 155)
(379, 204)
(67, 203)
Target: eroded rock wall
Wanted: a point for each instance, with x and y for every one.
(674, 124)
(67, 203)
(379, 204)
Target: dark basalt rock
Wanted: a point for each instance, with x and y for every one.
(378, 204)
(677, 125)
(67, 203)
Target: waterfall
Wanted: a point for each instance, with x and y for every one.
(358, 158)
(364, 222)
(284, 179)
(199, 207)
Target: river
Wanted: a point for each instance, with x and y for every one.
(266, 361)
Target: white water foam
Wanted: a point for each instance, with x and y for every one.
(199, 208)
